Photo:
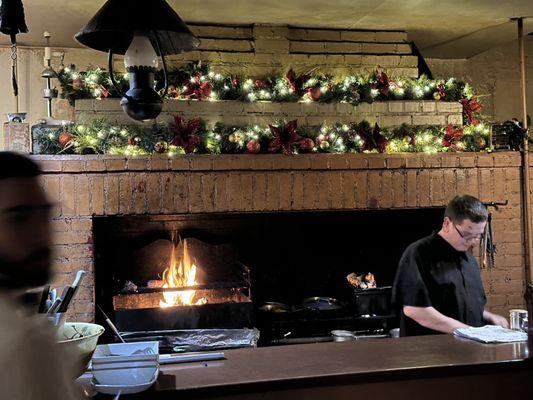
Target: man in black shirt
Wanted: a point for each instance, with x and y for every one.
(438, 286)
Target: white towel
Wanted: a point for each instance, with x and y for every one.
(491, 334)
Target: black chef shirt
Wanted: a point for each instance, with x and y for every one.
(431, 273)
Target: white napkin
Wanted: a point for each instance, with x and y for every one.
(491, 334)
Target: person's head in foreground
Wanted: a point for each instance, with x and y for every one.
(24, 224)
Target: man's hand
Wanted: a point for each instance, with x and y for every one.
(495, 319)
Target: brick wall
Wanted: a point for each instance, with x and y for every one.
(84, 186)
(258, 50)
(386, 114)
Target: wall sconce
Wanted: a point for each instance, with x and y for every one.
(141, 30)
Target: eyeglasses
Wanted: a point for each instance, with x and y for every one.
(468, 238)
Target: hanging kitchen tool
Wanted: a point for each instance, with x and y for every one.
(488, 247)
(12, 23)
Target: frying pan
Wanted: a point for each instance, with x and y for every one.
(322, 303)
(275, 307)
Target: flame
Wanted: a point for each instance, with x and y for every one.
(179, 274)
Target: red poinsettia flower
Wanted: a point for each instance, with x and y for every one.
(452, 136)
(285, 137)
(471, 106)
(185, 133)
(297, 83)
(373, 140)
(196, 89)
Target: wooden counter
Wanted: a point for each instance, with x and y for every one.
(435, 367)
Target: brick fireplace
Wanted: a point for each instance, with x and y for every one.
(89, 186)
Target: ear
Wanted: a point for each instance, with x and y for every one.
(446, 224)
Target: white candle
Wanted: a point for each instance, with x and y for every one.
(47, 53)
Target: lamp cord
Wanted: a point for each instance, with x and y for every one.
(112, 77)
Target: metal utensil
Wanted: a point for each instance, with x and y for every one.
(71, 291)
(55, 306)
(44, 297)
(111, 325)
(191, 357)
(53, 295)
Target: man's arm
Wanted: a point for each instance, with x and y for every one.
(430, 318)
(495, 319)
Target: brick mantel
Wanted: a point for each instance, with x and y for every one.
(52, 164)
(93, 185)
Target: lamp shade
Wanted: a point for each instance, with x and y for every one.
(12, 18)
(114, 25)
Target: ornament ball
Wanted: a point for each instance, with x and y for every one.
(253, 147)
(324, 145)
(65, 138)
(307, 145)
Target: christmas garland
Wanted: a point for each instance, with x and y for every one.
(196, 81)
(195, 136)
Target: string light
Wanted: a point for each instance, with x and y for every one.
(350, 89)
(418, 92)
(344, 91)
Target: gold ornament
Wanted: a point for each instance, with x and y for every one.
(436, 96)
(160, 147)
(324, 145)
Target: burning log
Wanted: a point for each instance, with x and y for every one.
(152, 300)
(190, 264)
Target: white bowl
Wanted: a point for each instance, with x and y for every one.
(79, 339)
(125, 389)
(124, 364)
(124, 352)
(125, 375)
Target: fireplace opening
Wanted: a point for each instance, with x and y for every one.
(283, 273)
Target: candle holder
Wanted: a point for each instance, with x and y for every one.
(48, 73)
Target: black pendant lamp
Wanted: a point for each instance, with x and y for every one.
(12, 23)
(141, 30)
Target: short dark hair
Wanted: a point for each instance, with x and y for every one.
(14, 165)
(466, 207)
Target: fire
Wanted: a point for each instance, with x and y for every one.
(180, 274)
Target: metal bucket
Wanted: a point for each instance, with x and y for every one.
(342, 336)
